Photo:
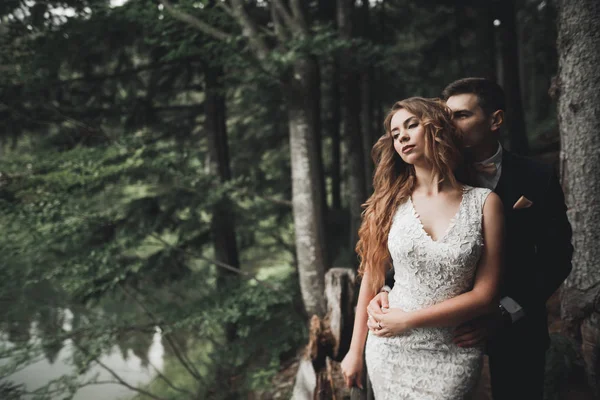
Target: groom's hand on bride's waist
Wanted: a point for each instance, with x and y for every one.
(376, 306)
(478, 331)
(378, 302)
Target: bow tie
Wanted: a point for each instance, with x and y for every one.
(488, 169)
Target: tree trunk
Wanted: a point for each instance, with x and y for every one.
(319, 375)
(510, 82)
(486, 48)
(315, 101)
(351, 124)
(366, 96)
(379, 81)
(301, 91)
(223, 225)
(306, 190)
(327, 14)
(523, 38)
(579, 124)
(366, 127)
(326, 10)
(336, 172)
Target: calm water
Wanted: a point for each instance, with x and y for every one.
(130, 367)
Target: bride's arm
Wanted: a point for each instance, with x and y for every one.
(482, 299)
(359, 333)
(352, 364)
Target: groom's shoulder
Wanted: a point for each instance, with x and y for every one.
(530, 168)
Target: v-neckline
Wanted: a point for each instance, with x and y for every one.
(451, 223)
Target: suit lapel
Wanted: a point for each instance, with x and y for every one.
(507, 187)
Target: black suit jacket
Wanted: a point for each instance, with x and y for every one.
(538, 250)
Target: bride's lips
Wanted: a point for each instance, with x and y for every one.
(408, 148)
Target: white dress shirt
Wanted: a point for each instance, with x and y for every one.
(486, 180)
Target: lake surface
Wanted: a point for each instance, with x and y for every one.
(133, 369)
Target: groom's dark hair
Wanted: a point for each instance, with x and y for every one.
(489, 93)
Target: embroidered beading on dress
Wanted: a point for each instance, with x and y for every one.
(424, 364)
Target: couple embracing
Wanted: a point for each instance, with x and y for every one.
(477, 240)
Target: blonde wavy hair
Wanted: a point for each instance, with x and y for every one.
(394, 180)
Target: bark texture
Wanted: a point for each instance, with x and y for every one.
(319, 375)
(511, 80)
(223, 224)
(485, 39)
(351, 107)
(366, 122)
(578, 88)
(336, 146)
(366, 98)
(302, 95)
(306, 190)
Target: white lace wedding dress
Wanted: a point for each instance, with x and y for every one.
(424, 364)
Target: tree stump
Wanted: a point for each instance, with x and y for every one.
(319, 376)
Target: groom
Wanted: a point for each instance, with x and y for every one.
(537, 255)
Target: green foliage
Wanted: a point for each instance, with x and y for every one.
(85, 209)
(266, 329)
(85, 224)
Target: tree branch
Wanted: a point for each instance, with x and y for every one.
(285, 14)
(290, 248)
(280, 30)
(299, 16)
(216, 262)
(109, 111)
(182, 359)
(195, 22)
(168, 381)
(281, 202)
(250, 30)
(118, 74)
(226, 8)
(116, 376)
(119, 380)
(127, 385)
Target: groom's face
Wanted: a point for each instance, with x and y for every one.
(469, 117)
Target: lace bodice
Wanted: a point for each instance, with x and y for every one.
(427, 271)
(424, 364)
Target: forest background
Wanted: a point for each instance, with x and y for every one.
(180, 175)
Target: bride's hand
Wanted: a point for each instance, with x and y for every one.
(352, 369)
(393, 322)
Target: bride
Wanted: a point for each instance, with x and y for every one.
(444, 240)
